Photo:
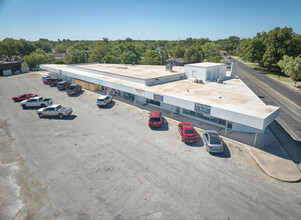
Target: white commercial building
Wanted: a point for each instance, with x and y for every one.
(224, 103)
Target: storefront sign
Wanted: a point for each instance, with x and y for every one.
(158, 98)
(139, 92)
(99, 82)
(202, 108)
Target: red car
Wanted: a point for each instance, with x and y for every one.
(187, 132)
(155, 119)
(46, 80)
(23, 97)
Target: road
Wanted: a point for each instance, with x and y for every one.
(287, 126)
(107, 164)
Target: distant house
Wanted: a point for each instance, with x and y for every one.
(176, 62)
(59, 56)
(12, 67)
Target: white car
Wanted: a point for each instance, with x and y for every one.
(213, 142)
(54, 111)
(104, 100)
(36, 102)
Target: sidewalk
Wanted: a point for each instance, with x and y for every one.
(268, 152)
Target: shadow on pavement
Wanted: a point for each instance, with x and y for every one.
(225, 154)
(68, 118)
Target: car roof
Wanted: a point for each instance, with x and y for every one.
(61, 82)
(53, 106)
(102, 96)
(155, 114)
(37, 97)
(210, 132)
(186, 125)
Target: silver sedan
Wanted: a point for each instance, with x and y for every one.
(213, 142)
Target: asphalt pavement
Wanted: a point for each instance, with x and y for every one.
(105, 163)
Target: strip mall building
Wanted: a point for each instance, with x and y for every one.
(202, 91)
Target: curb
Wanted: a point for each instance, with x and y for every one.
(267, 173)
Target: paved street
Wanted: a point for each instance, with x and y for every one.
(106, 163)
(275, 93)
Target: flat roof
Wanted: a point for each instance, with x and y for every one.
(233, 95)
(206, 64)
(134, 71)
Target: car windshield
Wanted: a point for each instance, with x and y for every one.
(59, 107)
(154, 119)
(61, 83)
(189, 132)
(72, 87)
(214, 139)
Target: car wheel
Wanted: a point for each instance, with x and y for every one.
(41, 115)
(24, 106)
(61, 116)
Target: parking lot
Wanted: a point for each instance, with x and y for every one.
(105, 163)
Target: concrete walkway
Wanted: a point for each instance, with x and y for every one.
(268, 152)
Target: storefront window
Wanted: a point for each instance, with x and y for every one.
(154, 102)
(213, 119)
(221, 121)
(192, 113)
(230, 125)
(185, 111)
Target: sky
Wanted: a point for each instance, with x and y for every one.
(145, 19)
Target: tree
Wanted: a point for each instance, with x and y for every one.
(255, 51)
(291, 67)
(277, 44)
(60, 48)
(178, 52)
(10, 47)
(193, 54)
(211, 49)
(151, 58)
(44, 45)
(26, 47)
(36, 58)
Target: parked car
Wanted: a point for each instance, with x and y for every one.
(46, 79)
(24, 97)
(104, 100)
(74, 89)
(155, 119)
(63, 85)
(36, 102)
(213, 142)
(54, 81)
(54, 111)
(187, 132)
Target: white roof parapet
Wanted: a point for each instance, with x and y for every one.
(236, 102)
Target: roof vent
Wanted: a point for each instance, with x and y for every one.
(168, 67)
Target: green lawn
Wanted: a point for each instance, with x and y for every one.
(281, 77)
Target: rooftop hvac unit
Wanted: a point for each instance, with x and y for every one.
(220, 80)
